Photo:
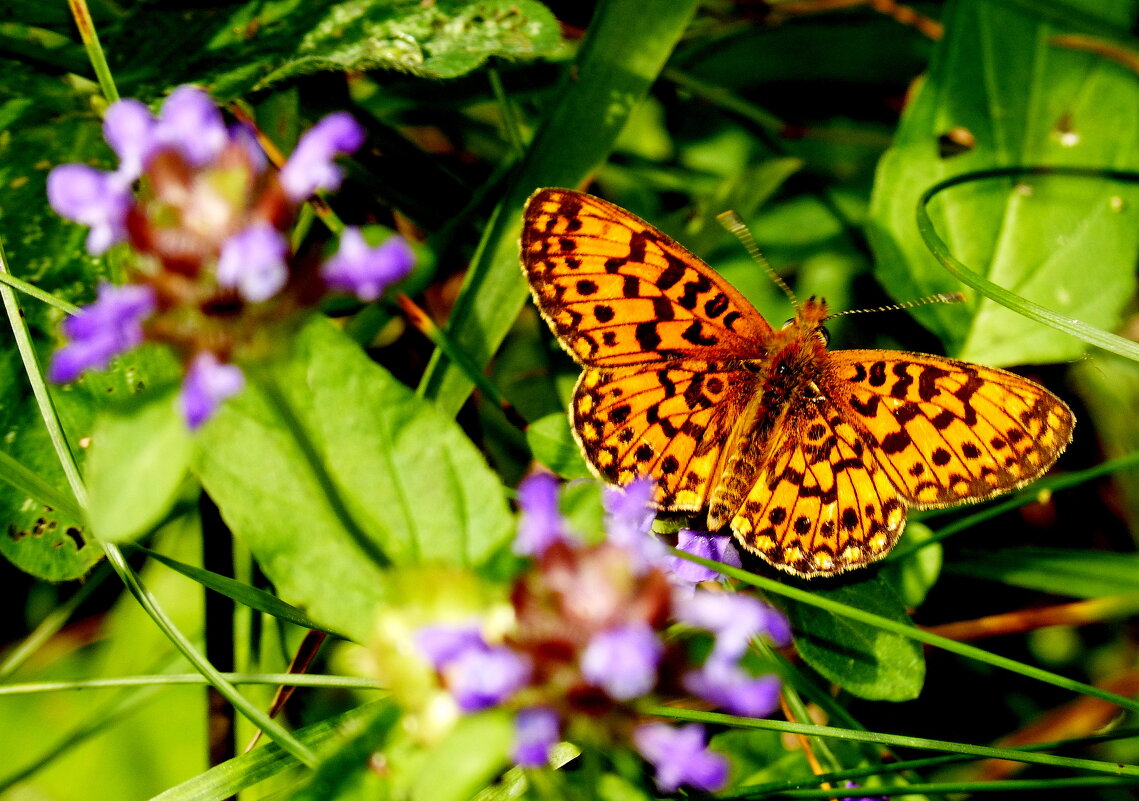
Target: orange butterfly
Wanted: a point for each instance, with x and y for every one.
(811, 456)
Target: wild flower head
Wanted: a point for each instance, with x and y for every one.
(594, 638)
(213, 273)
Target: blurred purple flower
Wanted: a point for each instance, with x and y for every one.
(717, 547)
(680, 756)
(734, 618)
(535, 733)
(541, 524)
(128, 127)
(366, 271)
(623, 660)
(111, 325)
(480, 679)
(94, 198)
(727, 686)
(253, 262)
(444, 643)
(629, 520)
(191, 123)
(310, 167)
(207, 384)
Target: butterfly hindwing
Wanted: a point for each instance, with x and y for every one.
(819, 502)
(617, 291)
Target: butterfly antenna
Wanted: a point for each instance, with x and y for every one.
(735, 224)
(943, 297)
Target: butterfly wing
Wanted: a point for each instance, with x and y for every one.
(616, 291)
(669, 422)
(819, 503)
(947, 431)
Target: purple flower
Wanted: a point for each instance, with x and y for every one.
(310, 166)
(734, 618)
(680, 757)
(253, 262)
(443, 644)
(482, 678)
(535, 733)
(717, 547)
(128, 127)
(629, 520)
(623, 660)
(94, 198)
(191, 123)
(727, 686)
(365, 271)
(541, 525)
(103, 329)
(208, 382)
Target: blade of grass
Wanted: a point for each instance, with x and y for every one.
(961, 649)
(240, 592)
(163, 679)
(898, 740)
(624, 50)
(760, 790)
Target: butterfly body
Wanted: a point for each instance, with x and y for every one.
(810, 456)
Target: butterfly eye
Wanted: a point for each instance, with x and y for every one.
(824, 334)
(789, 323)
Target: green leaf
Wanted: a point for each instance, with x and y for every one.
(1080, 574)
(245, 48)
(137, 466)
(475, 751)
(866, 661)
(406, 476)
(914, 576)
(998, 78)
(552, 443)
(625, 48)
(1109, 387)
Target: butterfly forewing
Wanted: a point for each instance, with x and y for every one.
(947, 431)
(617, 291)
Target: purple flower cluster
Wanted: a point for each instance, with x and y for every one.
(192, 196)
(589, 641)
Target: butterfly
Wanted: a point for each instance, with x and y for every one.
(811, 456)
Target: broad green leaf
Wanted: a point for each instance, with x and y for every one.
(863, 660)
(625, 48)
(475, 751)
(1109, 386)
(1080, 574)
(1000, 83)
(136, 467)
(242, 48)
(913, 576)
(553, 445)
(408, 478)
